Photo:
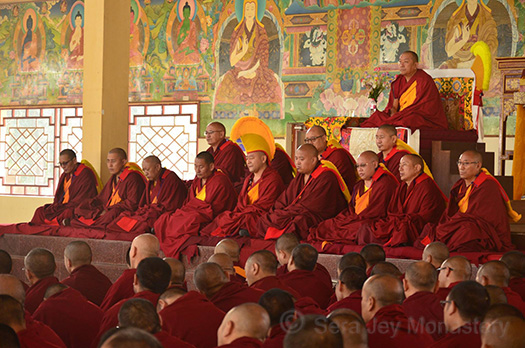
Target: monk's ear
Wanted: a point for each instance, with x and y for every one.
(406, 286)
(161, 304)
(212, 166)
(436, 287)
(371, 303)
(255, 268)
(229, 328)
(135, 280)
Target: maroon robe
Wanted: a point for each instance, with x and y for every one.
(284, 165)
(344, 162)
(514, 299)
(193, 319)
(118, 195)
(353, 302)
(391, 328)
(518, 285)
(442, 293)
(229, 158)
(120, 290)
(244, 342)
(370, 205)
(74, 319)
(233, 294)
(484, 226)
(424, 307)
(169, 341)
(307, 305)
(273, 282)
(254, 200)
(167, 194)
(391, 161)
(320, 272)
(307, 284)
(410, 209)
(302, 205)
(42, 330)
(91, 283)
(82, 186)
(35, 293)
(31, 339)
(467, 336)
(425, 112)
(276, 337)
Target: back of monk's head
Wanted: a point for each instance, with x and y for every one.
(385, 267)
(501, 310)
(54, 289)
(40, 262)
(279, 304)
(493, 273)
(169, 296)
(223, 260)
(422, 276)
(304, 257)
(206, 157)
(496, 294)
(353, 278)
(8, 337)
(266, 261)
(515, 261)
(131, 338)
(245, 320)
(385, 289)
(6, 263)
(351, 259)
(79, 253)
(178, 271)
(373, 253)
(12, 286)
(506, 332)
(153, 274)
(139, 313)
(389, 129)
(120, 152)
(436, 253)
(313, 331)
(461, 267)
(12, 312)
(146, 244)
(287, 242)
(229, 247)
(209, 278)
(471, 299)
(352, 327)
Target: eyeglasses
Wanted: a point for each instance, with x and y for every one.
(210, 132)
(361, 165)
(446, 267)
(311, 140)
(459, 163)
(63, 164)
(443, 303)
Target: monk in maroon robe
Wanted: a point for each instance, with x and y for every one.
(210, 194)
(515, 261)
(121, 193)
(416, 202)
(370, 199)
(332, 151)
(477, 217)
(76, 184)
(39, 265)
(70, 315)
(389, 154)
(348, 289)
(84, 277)
(454, 270)
(280, 307)
(284, 165)
(316, 194)
(183, 316)
(414, 101)
(165, 192)
(228, 156)
(245, 326)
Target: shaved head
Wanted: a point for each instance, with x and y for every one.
(436, 253)
(120, 153)
(473, 154)
(54, 289)
(217, 125)
(422, 276)
(462, 269)
(415, 160)
(79, 253)
(230, 247)
(12, 312)
(385, 267)
(8, 337)
(131, 337)
(352, 327)
(145, 245)
(351, 259)
(369, 156)
(380, 291)
(69, 153)
(317, 130)
(502, 310)
(373, 253)
(493, 273)
(169, 296)
(139, 313)
(225, 261)
(389, 129)
(40, 262)
(496, 294)
(206, 157)
(506, 332)
(12, 286)
(209, 278)
(308, 150)
(178, 271)
(304, 257)
(313, 331)
(266, 260)
(153, 160)
(245, 320)
(413, 55)
(515, 261)
(279, 304)
(6, 263)
(287, 242)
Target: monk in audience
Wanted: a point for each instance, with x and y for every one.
(389, 154)
(246, 325)
(453, 271)
(280, 307)
(348, 289)
(504, 333)
(351, 259)
(8, 337)
(501, 310)
(228, 156)
(77, 183)
(515, 261)
(332, 151)
(477, 217)
(130, 337)
(226, 264)
(385, 267)
(73, 318)
(372, 253)
(213, 283)
(143, 246)
(313, 331)
(435, 253)
(351, 326)
(387, 323)
(283, 164)
(421, 304)
(302, 278)
(231, 247)
(165, 192)
(496, 295)
(190, 317)
(84, 277)
(121, 193)
(6, 262)
(178, 273)
(370, 199)
(141, 314)
(39, 268)
(317, 193)
(210, 194)
(414, 100)
(416, 202)
(464, 309)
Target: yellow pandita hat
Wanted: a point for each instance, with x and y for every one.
(255, 135)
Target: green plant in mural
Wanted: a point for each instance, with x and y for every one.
(376, 82)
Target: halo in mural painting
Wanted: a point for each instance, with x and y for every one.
(30, 12)
(77, 7)
(193, 9)
(459, 2)
(136, 10)
(239, 8)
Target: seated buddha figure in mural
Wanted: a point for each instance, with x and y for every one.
(471, 22)
(185, 43)
(135, 55)
(76, 45)
(250, 80)
(29, 55)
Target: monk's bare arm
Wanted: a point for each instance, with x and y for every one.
(395, 107)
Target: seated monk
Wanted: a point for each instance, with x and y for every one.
(231, 248)
(351, 326)
(39, 268)
(178, 273)
(210, 194)
(435, 253)
(453, 271)
(504, 333)
(283, 164)
(389, 154)
(226, 264)
(280, 307)
(316, 194)
(244, 326)
(370, 199)
(477, 217)
(414, 100)
(348, 289)
(416, 202)
(165, 192)
(515, 261)
(121, 193)
(76, 184)
(332, 151)
(372, 254)
(313, 331)
(228, 156)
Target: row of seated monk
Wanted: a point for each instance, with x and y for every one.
(281, 299)
(384, 198)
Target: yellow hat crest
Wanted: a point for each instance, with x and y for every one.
(255, 135)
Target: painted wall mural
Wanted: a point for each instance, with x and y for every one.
(275, 59)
